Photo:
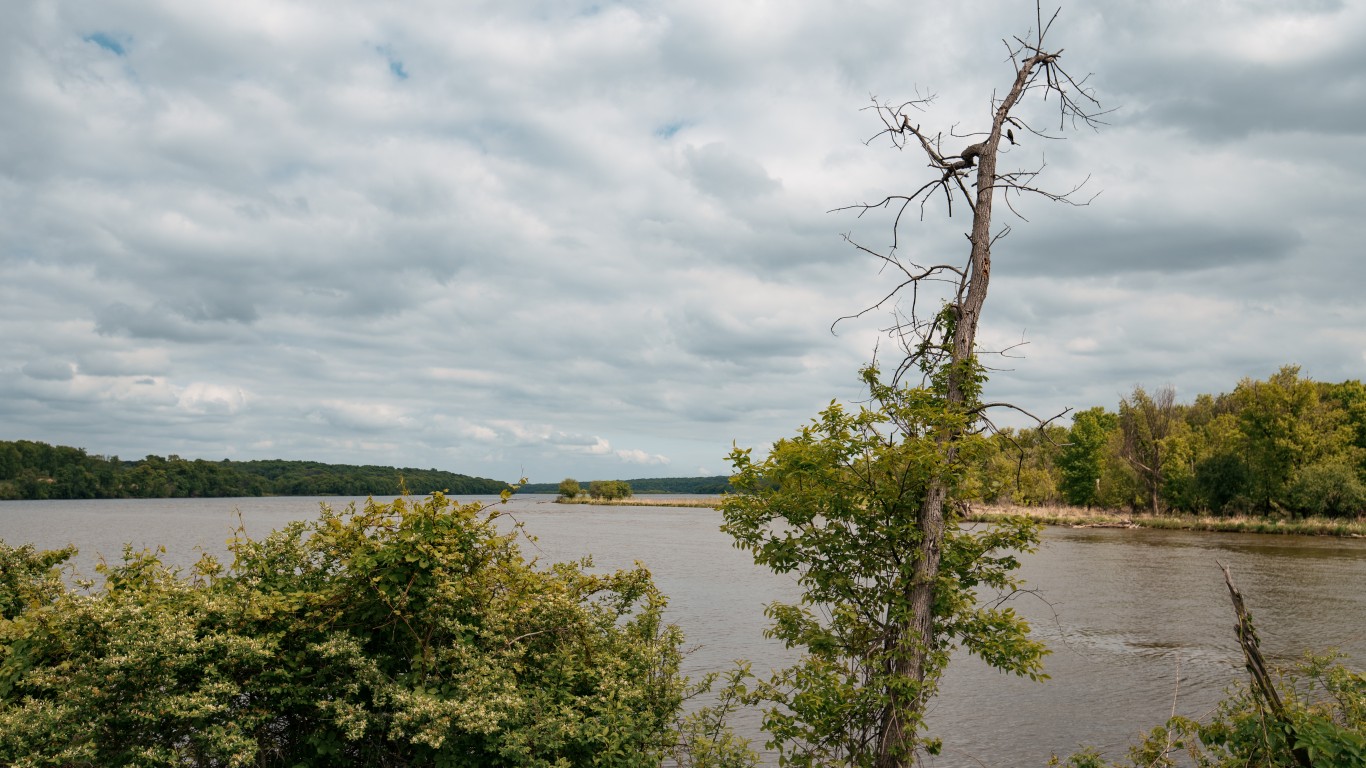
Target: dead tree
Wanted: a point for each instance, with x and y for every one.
(942, 343)
(1264, 693)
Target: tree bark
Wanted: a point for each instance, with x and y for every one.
(896, 745)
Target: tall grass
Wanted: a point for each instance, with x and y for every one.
(1082, 517)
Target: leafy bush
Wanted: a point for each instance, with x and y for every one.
(569, 488)
(411, 633)
(609, 489)
(1330, 490)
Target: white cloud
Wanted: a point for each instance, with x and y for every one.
(203, 398)
(600, 447)
(480, 433)
(637, 456)
(349, 414)
(502, 241)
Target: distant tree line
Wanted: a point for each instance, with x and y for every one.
(1283, 446)
(708, 485)
(35, 470)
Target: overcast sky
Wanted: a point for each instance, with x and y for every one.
(592, 239)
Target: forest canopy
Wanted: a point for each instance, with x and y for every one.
(34, 470)
(1286, 445)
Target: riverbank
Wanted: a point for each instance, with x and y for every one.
(1082, 517)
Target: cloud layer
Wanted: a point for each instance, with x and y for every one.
(554, 239)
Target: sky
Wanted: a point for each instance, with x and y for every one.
(596, 240)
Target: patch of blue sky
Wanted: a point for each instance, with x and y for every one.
(107, 42)
(668, 130)
(395, 63)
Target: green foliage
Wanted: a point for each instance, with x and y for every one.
(1325, 705)
(1014, 467)
(1270, 415)
(569, 488)
(1082, 461)
(1327, 489)
(704, 739)
(837, 507)
(1146, 423)
(29, 577)
(715, 484)
(609, 489)
(1278, 448)
(31, 470)
(406, 634)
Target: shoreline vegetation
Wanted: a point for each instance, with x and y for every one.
(1081, 517)
(32, 470)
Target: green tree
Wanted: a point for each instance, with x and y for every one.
(839, 506)
(412, 633)
(10, 461)
(1349, 398)
(1329, 489)
(1284, 427)
(569, 488)
(609, 489)
(1146, 421)
(1083, 457)
(1016, 467)
(937, 329)
(1222, 480)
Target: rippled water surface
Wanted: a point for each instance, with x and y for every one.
(1135, 618)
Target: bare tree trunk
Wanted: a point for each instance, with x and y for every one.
(1262, 686)
(917, 638)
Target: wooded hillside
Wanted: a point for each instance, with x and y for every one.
(34, 470)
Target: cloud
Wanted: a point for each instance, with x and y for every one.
(637, 456)
(208, 399)
(1109, 247)
(728, 175)
(508, 241)
(49, 370)
(364, 416)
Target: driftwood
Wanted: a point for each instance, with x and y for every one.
(1262, 685)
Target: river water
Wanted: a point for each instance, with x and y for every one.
(1136, 619)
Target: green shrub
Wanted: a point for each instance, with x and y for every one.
(1330, 490)
(609, 489)
(411, 633)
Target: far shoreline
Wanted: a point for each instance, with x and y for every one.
(1081, 517)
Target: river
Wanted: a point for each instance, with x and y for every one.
(1135, 618)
